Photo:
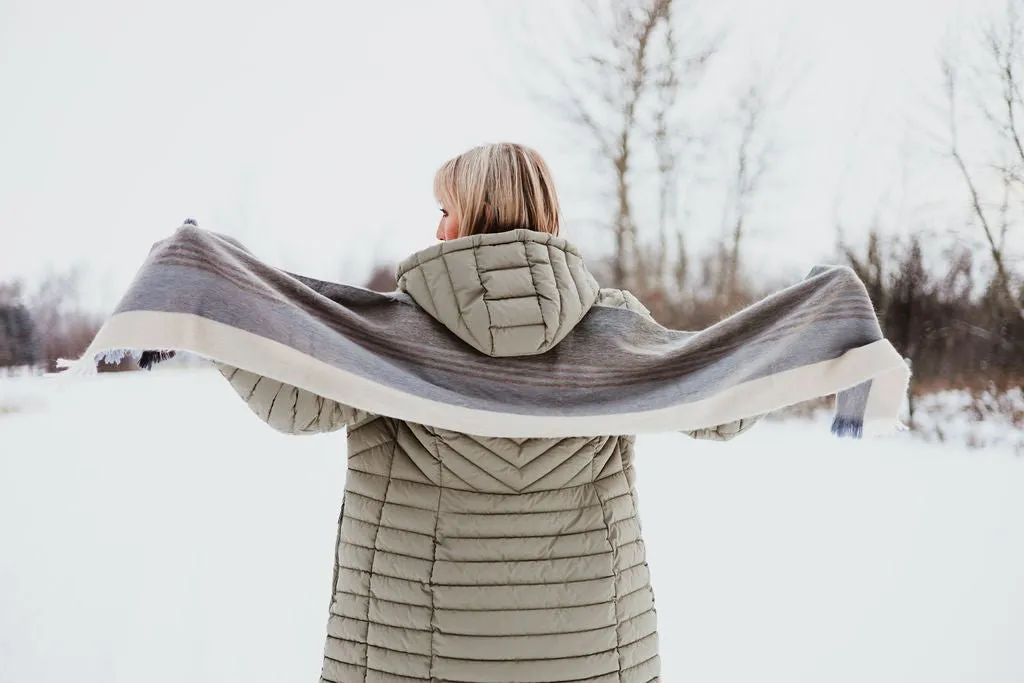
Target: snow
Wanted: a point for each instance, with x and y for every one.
(982, 419)
(152, 529)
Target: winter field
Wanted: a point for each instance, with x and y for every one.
(152, 530)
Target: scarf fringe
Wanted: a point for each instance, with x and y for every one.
(77, 367)
(148, 359)
(87, 366)
(848, 427)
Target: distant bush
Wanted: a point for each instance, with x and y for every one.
(382, 279)
(19, 343)
(38, 327)
(950, 320)
(956, 327)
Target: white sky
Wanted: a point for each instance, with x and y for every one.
(311, 130)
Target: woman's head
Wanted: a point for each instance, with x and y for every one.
(495, 188)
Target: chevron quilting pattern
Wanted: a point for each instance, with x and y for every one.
(464, 559)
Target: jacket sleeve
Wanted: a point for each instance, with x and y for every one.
(286, 408)
(620, 298)
(725, 432)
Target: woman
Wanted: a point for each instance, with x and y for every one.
(485, 560)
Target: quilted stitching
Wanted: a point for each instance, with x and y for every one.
(563, 313)
(548, 331)
(556, 272)
(458, 308)
(479, 280)
(549, 585)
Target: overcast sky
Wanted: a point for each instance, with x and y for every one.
(311, 130)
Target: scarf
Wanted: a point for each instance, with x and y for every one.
(507, 335)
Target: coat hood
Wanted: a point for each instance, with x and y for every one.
(514, 293)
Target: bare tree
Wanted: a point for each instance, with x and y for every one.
(44, 323)
(676, 141)
(622, 89)
(65, 327)
(666, 89)
(995, 183)
(754, 148)
(752, 160)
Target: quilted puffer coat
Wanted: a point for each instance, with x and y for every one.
(468, 559)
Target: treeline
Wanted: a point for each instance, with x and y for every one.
(39, 326)
(957, 329)
(954, 325)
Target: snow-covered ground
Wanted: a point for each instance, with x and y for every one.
(152, 530)
(978, 420)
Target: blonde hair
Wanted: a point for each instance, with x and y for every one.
(496, 188)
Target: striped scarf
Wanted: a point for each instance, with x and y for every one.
(615, 372)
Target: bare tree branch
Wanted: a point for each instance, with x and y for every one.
(622, 90)
(977, 204)
(754, 157)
